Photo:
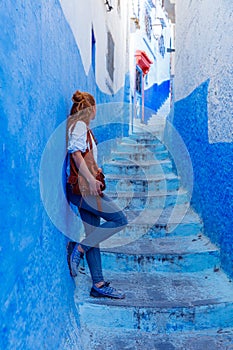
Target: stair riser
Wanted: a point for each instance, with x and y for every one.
(158, 320)
(182, 229)
(176, 230)
(144, 139)
(160, 262)
(156, 132)
(144, 156)
(150, 202)
(134, 169)
(132, 185)
(141, 148)
(153, 129)
(134, 231)
(116, 339)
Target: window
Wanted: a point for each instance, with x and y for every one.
(162, 46)
(148, 24)
(110, 56)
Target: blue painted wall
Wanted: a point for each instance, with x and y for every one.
(155, 96)
(40, 68)
(213, 171)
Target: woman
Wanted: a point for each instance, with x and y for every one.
(86, 192)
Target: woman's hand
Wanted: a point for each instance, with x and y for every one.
(95, 187)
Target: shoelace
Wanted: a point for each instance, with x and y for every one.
(108, 290)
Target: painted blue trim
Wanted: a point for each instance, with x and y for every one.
(213, 171)
(149, 48)
(93, 50)
(150, 3)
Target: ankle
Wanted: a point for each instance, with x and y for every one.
(99, 284)
(80, 249)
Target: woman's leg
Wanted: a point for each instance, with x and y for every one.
(96, 233)
(95, 266)
(115, 219)
(91, 221)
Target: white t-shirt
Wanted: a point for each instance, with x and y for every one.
(77, 141)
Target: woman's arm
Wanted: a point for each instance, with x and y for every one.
(95, 185)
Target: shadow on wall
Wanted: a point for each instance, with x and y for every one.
(213, 171)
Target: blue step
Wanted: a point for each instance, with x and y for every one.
(140, 183)
(160, 303)
(150, 200)
(140, 156)
(137, 147)
(167, 254)
(119, 339)
(170, 221)
(138, 168)
(143, 138)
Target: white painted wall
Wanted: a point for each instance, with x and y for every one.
(160, 69)
(204, 49)
(81, 16)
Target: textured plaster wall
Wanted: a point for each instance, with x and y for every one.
(203, 111)
(204, 51)
(40, 67)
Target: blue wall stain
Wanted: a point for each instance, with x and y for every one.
(213, 171)
(40, 69)
(155, 96)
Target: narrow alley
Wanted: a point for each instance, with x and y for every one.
(160, 74)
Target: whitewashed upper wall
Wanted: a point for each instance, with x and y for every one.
(82, 15)
(204, 50)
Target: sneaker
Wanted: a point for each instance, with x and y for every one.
(73, 258)
(106, 292)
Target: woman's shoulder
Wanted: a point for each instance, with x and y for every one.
(79, 127)
(80, 124)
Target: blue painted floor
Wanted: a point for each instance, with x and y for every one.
(177, 296)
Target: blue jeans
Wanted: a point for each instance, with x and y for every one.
(91, 213)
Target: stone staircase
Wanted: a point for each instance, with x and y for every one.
(177, 296)
(157, 121)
